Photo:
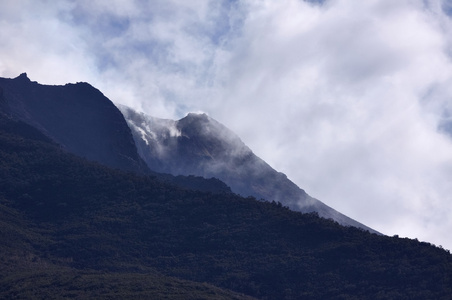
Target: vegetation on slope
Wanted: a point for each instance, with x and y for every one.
(93, 229)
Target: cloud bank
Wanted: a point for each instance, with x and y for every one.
(351, 99)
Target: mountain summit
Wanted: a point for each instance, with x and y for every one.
(199, 145)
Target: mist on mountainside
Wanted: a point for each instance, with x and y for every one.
(199, 145)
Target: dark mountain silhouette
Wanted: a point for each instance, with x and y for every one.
(76, 116)
(199, 145)
(71, 228)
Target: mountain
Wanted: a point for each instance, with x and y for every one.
(199, 145)
(72, 228)
(84, 122)
(76, 116)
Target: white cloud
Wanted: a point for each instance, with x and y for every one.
(341, 96)
(344, 97)
(35, 41)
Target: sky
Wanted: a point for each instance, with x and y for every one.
(351, 99)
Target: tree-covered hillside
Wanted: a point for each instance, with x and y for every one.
(73, 228)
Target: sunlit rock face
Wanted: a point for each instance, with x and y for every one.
(199, 145)
(76, 116)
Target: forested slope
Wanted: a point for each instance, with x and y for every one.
(74, 228)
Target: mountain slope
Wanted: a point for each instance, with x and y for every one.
(39, 188)
(74, 228)
(199, 145)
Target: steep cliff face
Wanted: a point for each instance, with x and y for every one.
(76, 116)
(199, 145)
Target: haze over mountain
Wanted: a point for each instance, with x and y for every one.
(199, 145)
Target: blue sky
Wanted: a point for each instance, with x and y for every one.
(346, 97)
